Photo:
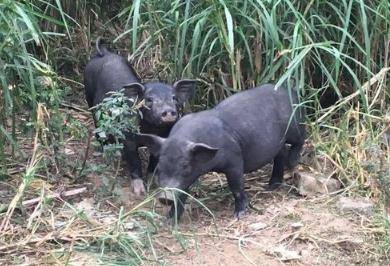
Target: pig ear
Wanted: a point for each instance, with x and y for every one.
(153, 142)
(202, 153)
(184, 89)
(134, 90)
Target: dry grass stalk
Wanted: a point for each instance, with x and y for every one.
(30, 170)
(379, 77)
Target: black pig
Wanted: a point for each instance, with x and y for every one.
(107, 72)
(241, 134)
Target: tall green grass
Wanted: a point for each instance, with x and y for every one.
(231, 45)
(26, 77)
(328, 49)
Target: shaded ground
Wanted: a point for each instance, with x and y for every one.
(282, 227)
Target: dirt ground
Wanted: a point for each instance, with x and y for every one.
(280, 228)
(291, 229)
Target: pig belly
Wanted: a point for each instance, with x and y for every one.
(261, 150)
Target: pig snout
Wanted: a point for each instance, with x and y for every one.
(166, 197)
(169, 116)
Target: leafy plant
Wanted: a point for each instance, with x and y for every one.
(25, 80)
(116, 116)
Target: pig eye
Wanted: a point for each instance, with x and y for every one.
(148, 101)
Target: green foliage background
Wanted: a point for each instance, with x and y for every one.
(330, 49)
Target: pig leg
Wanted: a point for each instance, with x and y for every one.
(133, 164)
(179, 208)
(236, 184)
(294, 154)
(277, 172)
(153, 160)
(296, 140)
(102, 143)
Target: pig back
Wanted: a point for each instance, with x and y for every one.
(108, 73)
(257, 119)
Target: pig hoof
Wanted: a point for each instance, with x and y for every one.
(239, 214)
(138, 187)
(175, 212)
(273, 186)
(166, 197)
(172, 221)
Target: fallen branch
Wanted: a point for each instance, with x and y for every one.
(68, 193)
(75, 107)
(37, 241)
(31, 202)
(23, 243)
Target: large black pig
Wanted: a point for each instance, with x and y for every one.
(241, 134)
(107, 72)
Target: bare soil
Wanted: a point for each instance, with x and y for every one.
(292, 230)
